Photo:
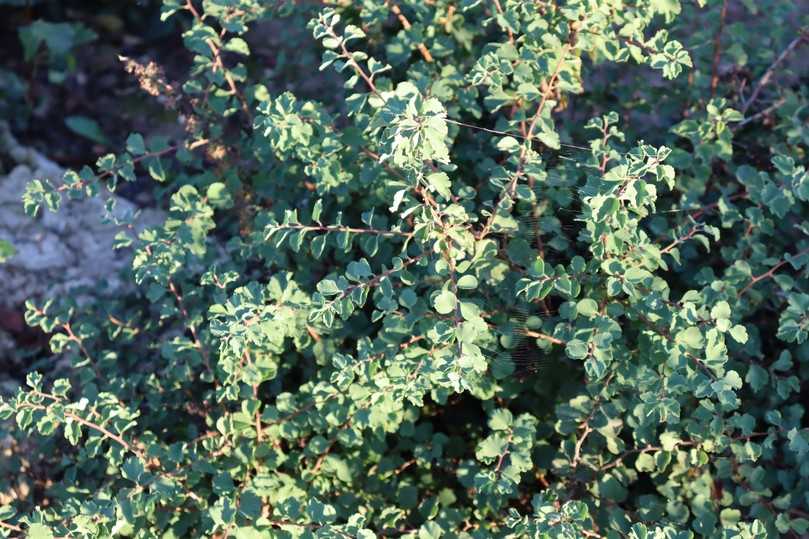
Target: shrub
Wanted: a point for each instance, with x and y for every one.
(540, 272)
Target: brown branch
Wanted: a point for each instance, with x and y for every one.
(499, 9)
(625, 454)
(605, 159)
(80, 343)
(377, 158)
(425, 52)
(94, 426)
(759, 114)
(307, 525)
(690, 234)
(218, 64)
(769, 273)
(550, 89)
(301, 410)
(579, 443)
(710, 207)
(802, 37)
(259, 432)
(542, 336)
(402, 347)
(372, 282)
(509, 191)
(346, 229)
(347, 56)
(112, 436)
(11, 527)
(588, 533)
(502, 458)
(717, 50)
(404, 466)
(135, 160)
(323, 456)
(586, 424)
(189, 5)
(629, 41)
(680, 443)
(701, 364)
(234, 90)
(448, 18)
(191, 327)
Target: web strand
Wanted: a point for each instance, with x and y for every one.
(507, 134)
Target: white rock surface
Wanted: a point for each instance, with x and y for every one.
(56, 251)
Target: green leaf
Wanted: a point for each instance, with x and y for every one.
(133, 469)
(135, 144)
(237, 45)
(328, 287)
(491, 448)
(445, 302)
(39, 531)
(37, 193)
(59, 38)
(721, 310)
(440, 182)
(501, 420)
(86, 127)
(669, 441)
(467, 282)
(798, 442)
(576, 349)
(250, 504)
(7, 512)
(691, 337)
(219, 196)
(320, 512)
(612, 489)
(587, 307)
(739, 334)
(7, 250)
(359, 270)
(317, 210)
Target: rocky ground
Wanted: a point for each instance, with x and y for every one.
(56, 253)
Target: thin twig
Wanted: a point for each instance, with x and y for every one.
(112, 436)
(717, 48)
(499, 9)
(11, 527)
(425, 52)
(135, 160)
(501, 460)
(218, 64)
(94, 426)
(373, 282)
(542, 336)
(80, 343)
(699, 212)
(574, 463)
(191, 327)
(259, 431)
(770, 272)
(349, 58)
(345, 229)
(509, 191)
(759, 114)
(802, 37)
(690, 234)
(579, 443)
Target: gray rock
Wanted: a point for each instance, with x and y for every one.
(56, 252)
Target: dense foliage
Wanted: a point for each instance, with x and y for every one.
(541, 269)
